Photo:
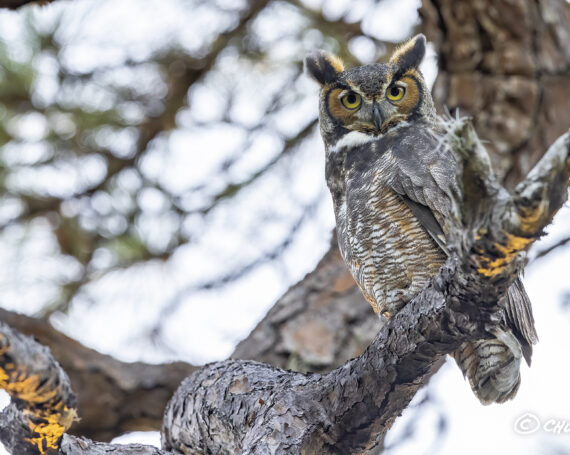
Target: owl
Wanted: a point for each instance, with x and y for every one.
(392, 182)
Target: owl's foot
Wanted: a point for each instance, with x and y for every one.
(395, 301)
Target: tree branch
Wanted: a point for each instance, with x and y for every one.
(72, 445)
(251, 408)
(550, 249)
(317, 325)
(43, 405)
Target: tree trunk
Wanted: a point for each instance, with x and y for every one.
(507, 65)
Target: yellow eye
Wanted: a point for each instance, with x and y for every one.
(351, 100)
(395, 93)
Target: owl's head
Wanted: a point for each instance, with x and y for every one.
(371, 99)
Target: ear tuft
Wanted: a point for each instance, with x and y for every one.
(410, 54)
(322, 66)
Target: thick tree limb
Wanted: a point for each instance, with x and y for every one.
(72, 445)
(317, 325)
(239, 407)
(250, 408)
(544, 190)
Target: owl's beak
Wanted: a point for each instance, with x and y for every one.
(376, 116)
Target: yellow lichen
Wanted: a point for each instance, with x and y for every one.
(49, 419)
(513, 246)
(51, 426)
(27, 389)
(48, 431)
(530, 218)
(3, 378)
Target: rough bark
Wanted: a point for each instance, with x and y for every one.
(43, 405)
(245, 407)
(72, 445)
(317, 325)
(507, 65)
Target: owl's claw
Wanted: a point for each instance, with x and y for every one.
(399, 298)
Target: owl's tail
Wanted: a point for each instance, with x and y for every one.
(492, 366)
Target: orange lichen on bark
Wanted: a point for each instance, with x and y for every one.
(532, 217)
(46, 413)
(513, 245)
(47, 421)
(50, 426)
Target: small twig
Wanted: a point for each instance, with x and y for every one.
(550, 249)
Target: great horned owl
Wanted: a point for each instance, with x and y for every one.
(391, 182)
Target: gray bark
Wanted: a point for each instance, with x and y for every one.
(72, 445)
(43, 405)
(506, 64)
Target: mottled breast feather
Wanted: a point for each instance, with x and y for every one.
(390, 254)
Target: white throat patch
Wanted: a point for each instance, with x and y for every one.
(352, 139)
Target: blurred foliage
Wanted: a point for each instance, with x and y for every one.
(117, 156)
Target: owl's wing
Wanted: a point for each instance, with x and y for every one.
(428, 222)
(423, 174)
(519, 311)
(516, 302)
(425, 179)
